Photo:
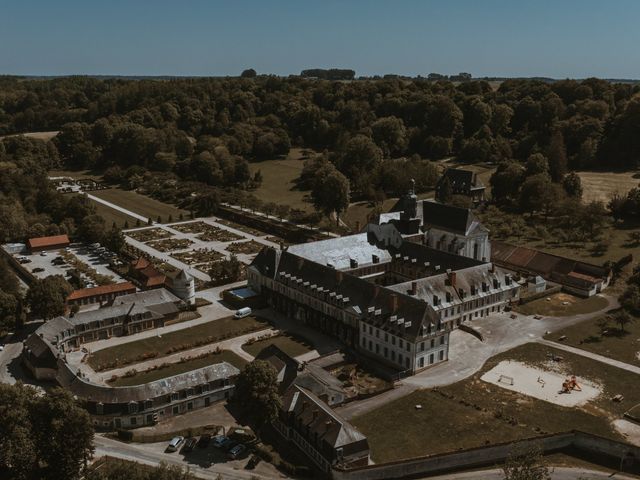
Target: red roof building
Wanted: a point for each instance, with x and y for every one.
(48, 243)
(101, 294)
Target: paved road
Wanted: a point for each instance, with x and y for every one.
(148, 454)
(467, 354)
(594, 356)
(558, 473)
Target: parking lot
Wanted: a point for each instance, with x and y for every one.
(42, 266)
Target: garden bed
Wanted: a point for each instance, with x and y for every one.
(248, 248)
(170, 244)
(149, 234)
(198, 256)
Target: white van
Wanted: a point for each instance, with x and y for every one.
(243, 312)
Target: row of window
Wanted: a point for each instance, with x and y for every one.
(382, 334)
(400, 359)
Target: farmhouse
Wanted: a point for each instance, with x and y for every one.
(324, 436)
(462, 182)
(579, 278)
(99, 295)
(40, 244)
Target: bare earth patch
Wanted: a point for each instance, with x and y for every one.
(539, 383)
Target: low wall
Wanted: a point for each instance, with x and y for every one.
(20, 270)
(597, 449)
(288, 231)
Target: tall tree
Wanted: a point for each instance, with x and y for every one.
(557, 157)
(46, 297)
(256, 393)
(572, 185)
(330, 193)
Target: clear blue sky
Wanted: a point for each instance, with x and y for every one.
(559, 38)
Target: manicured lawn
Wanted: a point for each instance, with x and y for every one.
(586, 335)
(555, 307)
(111, 215)
(473, 413)
(289, 345)
(153, 347)
(279, 180)
(602, 185)
(140, 204)
(178, 368)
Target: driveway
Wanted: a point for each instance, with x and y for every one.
(467, 354)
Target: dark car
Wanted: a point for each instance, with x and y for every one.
(253, 462)
(37, 270)
(205, 438)
(237, 451)
(227, 444)
(189, 444)
(218, 440)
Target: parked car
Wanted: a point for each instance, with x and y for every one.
(253, 462)
(227, 444)
(243, 312)
(43, 254)
(189, 444)
(37, 270)
(204, 440)
(174, 444)
(25, 260)
(237, 451)
(218, 440)
(1, 348)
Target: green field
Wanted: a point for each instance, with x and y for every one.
(555, 308)
(179, 340)
(614, 344)
(111, 215)
(289, 345)
(178, 368)
(140, 204)
(279, 177)
(472, 413)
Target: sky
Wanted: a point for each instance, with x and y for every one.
(511, 38)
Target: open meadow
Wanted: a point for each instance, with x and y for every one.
(140, 204)
(601, 186)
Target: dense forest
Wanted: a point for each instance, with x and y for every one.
(171, 138)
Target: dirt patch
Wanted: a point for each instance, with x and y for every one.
(539, 383)
(563, 304)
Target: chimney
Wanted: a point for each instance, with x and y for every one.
(452, 279)
(492, 269)
(414, 288)
(338, 276)
(394, 302)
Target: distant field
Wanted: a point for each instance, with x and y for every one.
(37, 135)
(140, 204)
(75, 174)
(279, 176)
(111, 215)
(602, 185)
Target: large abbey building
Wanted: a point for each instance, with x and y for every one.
(394, 292)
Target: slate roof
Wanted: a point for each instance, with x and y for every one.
(338, 252)
(280, 361)
(331, 428)
(462, 179)
(448, 217)
(106, 394)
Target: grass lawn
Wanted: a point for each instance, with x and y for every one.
(602, 185)
(153, 347)
(140, 204)
(75, 174)
(586, 335)
(478, 413)
(289, 345)
(555, 308)
(279, 180)
(170, 370)
(111, 215)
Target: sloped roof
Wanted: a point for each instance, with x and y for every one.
(330, 427)
(101, 290)
(462, 178)
(44, 242)
(447, 217)
(106, 394)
